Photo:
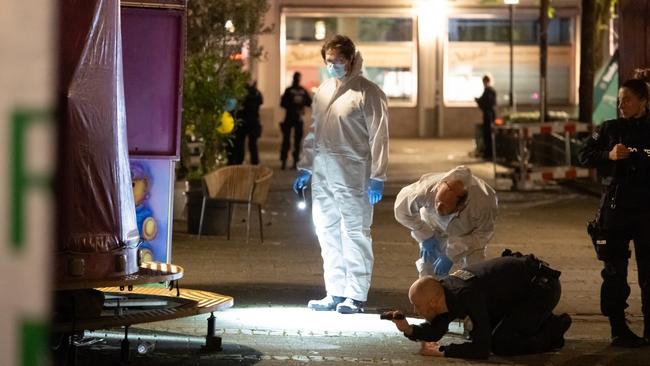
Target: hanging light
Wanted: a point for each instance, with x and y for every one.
(320, 30)
(229, 26)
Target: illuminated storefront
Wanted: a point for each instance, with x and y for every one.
(478, 44)
(428, 56)
(385, 39)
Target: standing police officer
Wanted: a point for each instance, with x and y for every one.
(294, 100)
(620, 152)
(487, 102)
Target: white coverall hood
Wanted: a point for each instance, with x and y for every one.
(347, 144)
(357, 67)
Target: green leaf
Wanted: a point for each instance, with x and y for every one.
(212, 75)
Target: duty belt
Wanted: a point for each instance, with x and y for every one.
(545, 270)
(545, 274)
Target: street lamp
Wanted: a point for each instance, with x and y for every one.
(511, 9)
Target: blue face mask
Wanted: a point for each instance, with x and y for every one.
(336, 70)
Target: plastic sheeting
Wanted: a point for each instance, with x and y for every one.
(96, 207)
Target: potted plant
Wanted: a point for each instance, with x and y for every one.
(219, 33)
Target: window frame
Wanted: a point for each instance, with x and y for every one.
(362, 12)
(520, 12)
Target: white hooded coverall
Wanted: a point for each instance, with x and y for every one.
(347, 144)
(466, 232)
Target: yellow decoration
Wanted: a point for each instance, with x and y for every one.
(189, 130)
(149, 229)
(227, 123)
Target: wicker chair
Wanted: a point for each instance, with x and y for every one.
(247, 184)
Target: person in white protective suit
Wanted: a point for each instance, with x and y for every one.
(345, 154)
(451, 215)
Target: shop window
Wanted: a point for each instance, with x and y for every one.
(498, 30)
(309, 29)
(385, 29)
(387, 44)
(478, 47)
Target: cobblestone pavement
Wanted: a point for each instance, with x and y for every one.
(272, 282)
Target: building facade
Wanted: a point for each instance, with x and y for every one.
(427, 55)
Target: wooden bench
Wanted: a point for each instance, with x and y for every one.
(188, 303)
(149, 272)
(125, 304)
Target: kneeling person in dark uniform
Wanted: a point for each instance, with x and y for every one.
(509, 300)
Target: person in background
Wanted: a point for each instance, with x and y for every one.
(487, 102)
(346, 156)
(294, 100)
(249, 126)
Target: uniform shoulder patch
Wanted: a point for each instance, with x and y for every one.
(463, 274)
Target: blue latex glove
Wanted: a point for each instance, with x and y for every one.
(442, 265)
(375, 190)
(301, 180)
(431, 250)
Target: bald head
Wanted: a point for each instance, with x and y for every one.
(427, 295)
(426, 286)
(450, 196)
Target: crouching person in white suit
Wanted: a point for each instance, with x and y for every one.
(451, 215)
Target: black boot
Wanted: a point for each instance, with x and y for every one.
(563, 323)
(622, 335)
(551, 336)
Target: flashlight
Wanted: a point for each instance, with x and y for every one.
(390, 316)
(302, 204)
(144, 347)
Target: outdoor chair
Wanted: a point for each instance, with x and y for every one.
(248, 184)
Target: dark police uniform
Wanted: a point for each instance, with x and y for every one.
(624, 212)
(250, 127)
(509, 301)
(294, 99)
(487, 102)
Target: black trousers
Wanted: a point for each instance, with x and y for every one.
(486, 128)
(615, 289)
(522, 330)
(236, 152)
(287, 127)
